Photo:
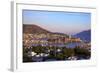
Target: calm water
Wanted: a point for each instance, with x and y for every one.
(72, 45)
(69, 45)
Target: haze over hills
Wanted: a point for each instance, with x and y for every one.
(84, 35)
(32, 29)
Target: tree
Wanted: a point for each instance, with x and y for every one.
(81, 52)
(68, 52)
(60, 56)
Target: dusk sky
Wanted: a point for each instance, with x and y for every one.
(63, 22)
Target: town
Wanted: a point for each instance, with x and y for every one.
(51, 47)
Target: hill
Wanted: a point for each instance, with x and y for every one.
(32, 29)
(84, 35)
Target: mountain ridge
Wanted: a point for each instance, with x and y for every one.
(84, 35)
(32, 29)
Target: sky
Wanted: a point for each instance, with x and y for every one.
(63, 22)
